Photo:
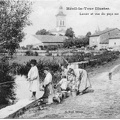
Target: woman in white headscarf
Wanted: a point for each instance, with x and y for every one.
(82, 80)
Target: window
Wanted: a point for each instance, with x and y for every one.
(60, 23)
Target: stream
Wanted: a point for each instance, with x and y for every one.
(22, 96)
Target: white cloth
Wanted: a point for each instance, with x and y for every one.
(48, 79)
(78, 72)
(33, 75)
(63, 82)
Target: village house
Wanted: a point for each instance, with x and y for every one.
(114, 41)
(101, 39)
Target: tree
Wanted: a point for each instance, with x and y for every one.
(86, 39)
(69, 33)
(14, 16)
(42, 32)
(88, 34)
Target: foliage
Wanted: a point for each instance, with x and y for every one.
(52, 47)
(88, 34)
(69, 33)
(104, 58)
(42, 32)
(78, 42)
(31, 53)
(93, 59)
(77, 57)
(6, 90)
(13, 18)
(36, 53)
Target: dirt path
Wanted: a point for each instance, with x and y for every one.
(104, 102)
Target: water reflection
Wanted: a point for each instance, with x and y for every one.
(22, 88)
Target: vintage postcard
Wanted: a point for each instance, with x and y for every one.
(60, 59)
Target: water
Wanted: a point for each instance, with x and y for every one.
(22, 96)
(22, 88)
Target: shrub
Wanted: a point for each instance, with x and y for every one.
(76, 57)
(6, 90)
(52, 47)
(29, 53)
(104, 58)
(36, 53)
(94, 60)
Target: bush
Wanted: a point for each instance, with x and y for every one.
(36, 53)
(31, 53)
(52, 47)
(94, 60)
(6, 90)
(104, 58)
(76, 57)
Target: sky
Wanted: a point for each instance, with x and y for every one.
(44, 11)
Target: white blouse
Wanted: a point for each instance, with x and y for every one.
(33, 73)
(48, 79)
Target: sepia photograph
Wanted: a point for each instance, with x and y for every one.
(59, 59)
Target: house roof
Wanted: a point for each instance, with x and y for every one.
(102, 32)
(117, 36)
(50, 38)
(31, 40)
(104, 41)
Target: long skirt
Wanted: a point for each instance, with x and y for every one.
(84, 82)
(33, 85)
(47, 91)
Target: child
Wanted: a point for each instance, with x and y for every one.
(57, 95)
(33, 78)
(63, 83)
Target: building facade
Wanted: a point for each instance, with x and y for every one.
(114, 41)
(101, 39)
